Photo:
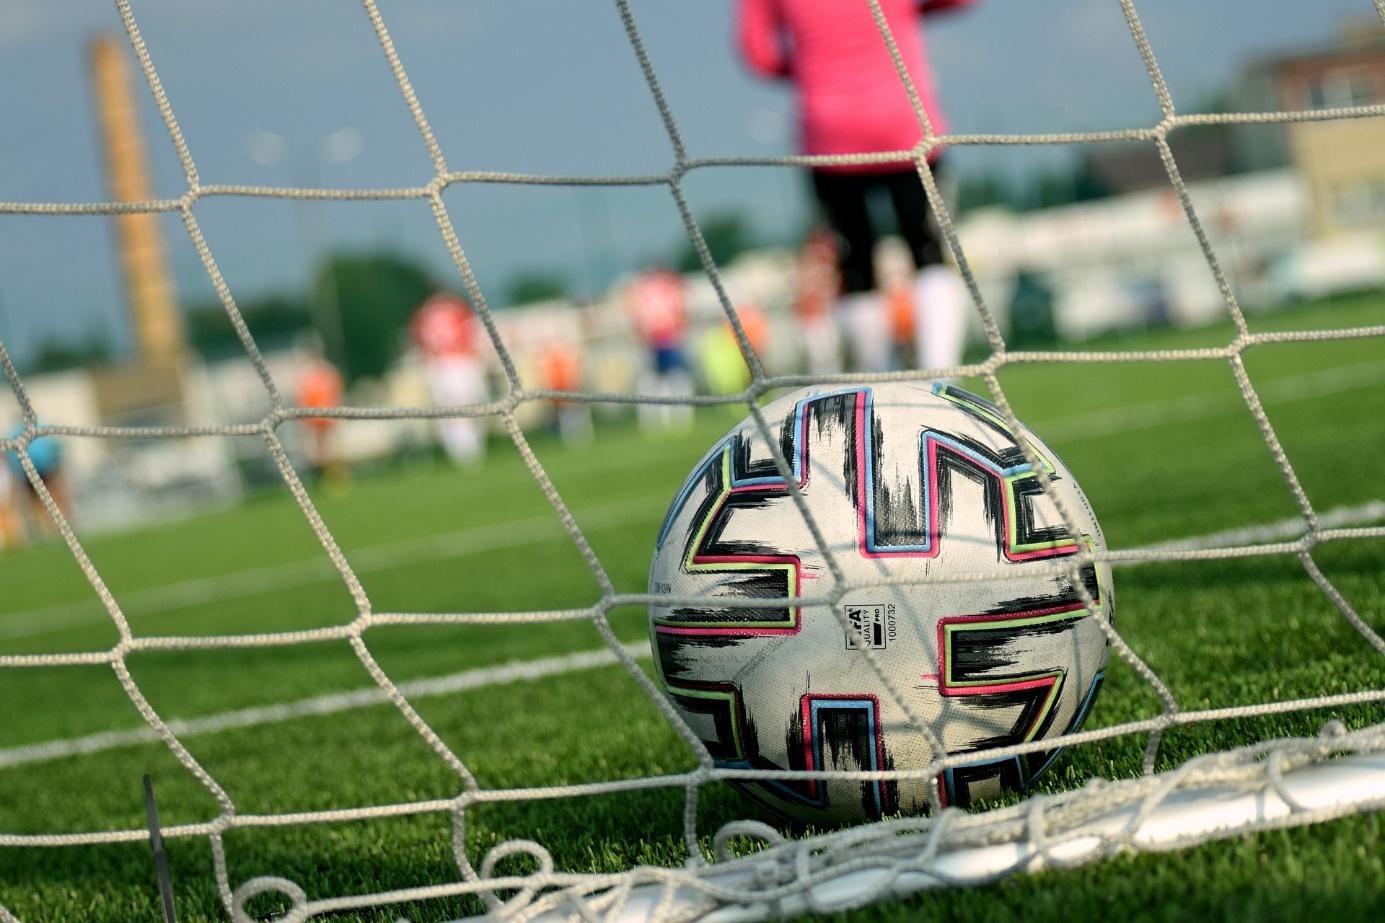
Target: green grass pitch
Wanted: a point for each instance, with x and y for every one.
(1164, 450)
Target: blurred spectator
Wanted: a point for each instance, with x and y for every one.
(819, 284)
(903, 314)
(561, 367)
(657, 305)
(320, 387)
(894, 274)
(724, 370)
(851, 101)
(11, 528)
(45, 453)
(444, 330)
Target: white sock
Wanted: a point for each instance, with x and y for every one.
(866, 324)
(940, 300)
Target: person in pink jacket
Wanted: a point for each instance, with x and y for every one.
(851, 100)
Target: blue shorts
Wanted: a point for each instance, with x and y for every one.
(669, 359)
(45, 452)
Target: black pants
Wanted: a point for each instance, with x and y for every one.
(846, 203)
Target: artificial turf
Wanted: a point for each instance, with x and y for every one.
(1164, 451)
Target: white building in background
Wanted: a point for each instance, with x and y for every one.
(1130, 260)
(115, 481)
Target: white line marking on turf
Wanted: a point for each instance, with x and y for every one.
(256, 580)
(516, 671)
(1147, 415)
(471, 540)
(320, 705)
(1294, 527)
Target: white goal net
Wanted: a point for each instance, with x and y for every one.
(748, 869)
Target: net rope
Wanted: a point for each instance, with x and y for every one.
(788, 868)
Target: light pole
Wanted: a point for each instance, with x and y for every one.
(343, 145)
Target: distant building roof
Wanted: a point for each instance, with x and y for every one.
(1201, 153)
(1357, 39)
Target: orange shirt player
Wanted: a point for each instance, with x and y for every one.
(320, 386)
(561, 369)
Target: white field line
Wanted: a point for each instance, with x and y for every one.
(1132, 417)
(476, 539)
(320, 705)
(256, 580)
(516, 671)
(1284, 530)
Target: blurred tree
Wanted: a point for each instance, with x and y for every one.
(1031, 311)
(727, 235)
(983, 190)
(1087, 183)
(273, 319)
(374, 295)
(1052, 188)
(530, 285)
(57, 355)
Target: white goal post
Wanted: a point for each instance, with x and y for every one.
(1270, 785)
(1285, 783)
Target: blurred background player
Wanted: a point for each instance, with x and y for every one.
(444, 330)
(46, 454)
(657, 304)
(723, 367)
(561, 368)
(320, 387)
(818, 285)
(894, 277)
(851, 100)
(11, 529)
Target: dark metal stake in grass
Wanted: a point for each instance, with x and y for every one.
(156, 844)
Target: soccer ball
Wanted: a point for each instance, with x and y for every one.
(906, 482)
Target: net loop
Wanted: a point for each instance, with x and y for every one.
(270, 884)
(1274, 775)
(526, 894)
(750, 829)
(1036, 829)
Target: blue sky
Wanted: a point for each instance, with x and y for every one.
(519, 85)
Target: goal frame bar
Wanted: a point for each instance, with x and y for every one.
(1277, 785)
(1301, 796)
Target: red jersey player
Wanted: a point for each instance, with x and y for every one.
(444, 332)
(657, 303)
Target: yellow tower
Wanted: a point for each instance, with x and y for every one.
(155, 318)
